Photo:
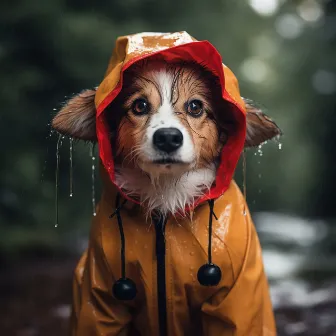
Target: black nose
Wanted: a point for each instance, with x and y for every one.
(168, 139)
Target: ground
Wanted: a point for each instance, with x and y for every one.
(36, 296)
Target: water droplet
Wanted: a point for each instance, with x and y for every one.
(259, 191)
(71, 167)
(192, 253)
(280, 145)
(259, 175)
(58, 146)
(192, 268)
(93, 190)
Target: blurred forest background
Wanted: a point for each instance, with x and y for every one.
(283, 53)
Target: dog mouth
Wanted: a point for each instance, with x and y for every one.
(165, 166)
(167, 161)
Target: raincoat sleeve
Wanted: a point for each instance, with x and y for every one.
(244, 310)
(95, 310)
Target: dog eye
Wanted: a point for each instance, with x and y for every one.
(195, 108)
(140, 106)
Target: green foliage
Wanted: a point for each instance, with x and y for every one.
(52, 49)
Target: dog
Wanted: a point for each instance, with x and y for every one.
(168, 127)
(171, 127)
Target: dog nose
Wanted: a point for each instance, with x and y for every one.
(168, 139)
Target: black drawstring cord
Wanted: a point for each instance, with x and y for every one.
(118, 208)
(210, 274)
(211, 206)
(124, 288)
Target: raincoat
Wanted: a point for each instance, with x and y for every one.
(163, 263)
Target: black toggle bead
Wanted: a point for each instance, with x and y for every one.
(124, 289)
(209, 275)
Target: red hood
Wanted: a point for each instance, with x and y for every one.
(172, 47)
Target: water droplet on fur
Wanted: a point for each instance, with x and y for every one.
(93, 175)
(192, 253)
(192, 268)
(71, 166)
(58, 158)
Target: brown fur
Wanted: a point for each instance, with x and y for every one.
(260, 127)
(77, 117)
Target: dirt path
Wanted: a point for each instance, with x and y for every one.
(36, 297)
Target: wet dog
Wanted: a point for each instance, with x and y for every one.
(171, 125)
(168, 126)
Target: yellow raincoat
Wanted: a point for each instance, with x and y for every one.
(163, 265)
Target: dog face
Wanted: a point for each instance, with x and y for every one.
(164, 118)
(167, 128)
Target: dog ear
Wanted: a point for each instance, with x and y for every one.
(259, 127)
(77, 118)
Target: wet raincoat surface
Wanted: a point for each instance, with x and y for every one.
(164, 265)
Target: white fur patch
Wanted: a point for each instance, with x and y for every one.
(166, 193)
(166, 118)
